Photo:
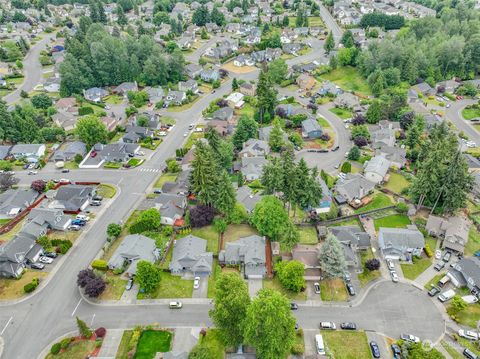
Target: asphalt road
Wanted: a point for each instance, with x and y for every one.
(330, 23)
(32, 69)
(454, 114)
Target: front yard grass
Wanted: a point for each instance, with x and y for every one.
(434, 281)
(367, 275)
(152, 342)
(412, 271)
(450, 350)
(170, 287)
(115, 287)
(468, 344)
(473, 244)
(106, 190)
(5, 237)
(469, 316)
(237, 231)
(379, 200)
(210, 235)
(76, 350)
(349, 79)
(212, 340)
(470, 113)
(393, 221)
(308, 235)
(13, 288)
(134, 162)
(333, 290)
(343, 344)
(343, 113)
(276, 285)
(166, 177)
(396, 183)
(125, 345)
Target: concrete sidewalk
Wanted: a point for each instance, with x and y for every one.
(110, 343)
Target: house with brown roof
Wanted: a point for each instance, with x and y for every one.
(305, 82)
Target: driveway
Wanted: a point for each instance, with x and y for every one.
(310, 349)
(202, 291)
(310, 291)
(381, 341)
(185, 339)
(254, 285)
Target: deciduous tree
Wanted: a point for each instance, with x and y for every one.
(147, 276)
(91, 130)
(290, 274)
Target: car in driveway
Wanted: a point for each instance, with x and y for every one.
(390, 264)
(95, 203)
(196, 283)
(394, 276)
(38, 266)
(439, 266)
(348, 326)
(410, 338)
(468, 334)
(434, 291)
(32, 172)
(447, 256)
(375, 349)
(438, 254)
(328, 325)
(350, 289)
(397, 352)
(293, 306)
(51, 254)
(467, 353)
(316, 287)
(74, 227)
(129, 284)
(45, 260)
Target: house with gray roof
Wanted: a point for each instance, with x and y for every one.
(116, 152)
(192, 70)
(31, 152)
(40, 220)
(252, 167)
(190, 257)
(72, 198)
(466, 272)
(171, 206)
(254, 148)
(15, 254)
(376, 169)
(401, 243)
(175, 97)
(353, 187)
(325, 203)
(14, 201)
(155, 94)
(453, 231)
(346, 100)
(134, 248)
(210, 75)
(247, 198)
(264, 134)
(383, 134)
(189, 85)
(70, 150)
(95, 94)
(223, 114)
(353, 239)
(248, 252)
(396, 155)
(311, 128)
(424, 88)
(4, 151)
(125, 87)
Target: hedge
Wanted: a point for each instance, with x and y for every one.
(30, 287)
(55, 349)
(428, 251)
(65, 343)
(62, 245)
(99, 264)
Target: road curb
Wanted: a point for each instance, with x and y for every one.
(46, 350)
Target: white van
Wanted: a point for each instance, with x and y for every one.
(446, 296)
(319, 344)
(82, 217)
(470, 299)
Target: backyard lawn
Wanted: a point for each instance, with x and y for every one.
(166, 177)
(379, 200)
(393, 221)
(469, 113)
(77, 350)
(348, 79)
(473, 243)
(346, 344)
(276, 285)
(308, 235)
(333, 290)
(152, 342)
(343, 113)
(170, 287)
(237, 231)
(396, 183)
(412, 271)
(210, 235)
(367, 275)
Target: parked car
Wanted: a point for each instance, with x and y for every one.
(468, 334)
(410, 338)
(78, 222)
(397, 352)
(434, 291)
(74, 227)
(375, 349)
(446, 296)
(196, 283)
(45, 260)
(95, 203)
(336, 148)
(129, 284)
(346, 277)
(82, 217)
(97, 198)
(439, 266)
(394, 276)
(447, 256)
(348, 326)
(328, 325)
(350, 289)
(316, 286)
(438, 254)
(467, 353)
(65, 170)
(470, 299)
(157, 190)
(443, 281)
(175, 305)
(293, 306)
(32, 173)
(51, 254)
(38, 266)
(185, 134)
(390, 264)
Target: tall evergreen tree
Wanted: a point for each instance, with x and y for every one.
(205, 174)
(275, 140)
(329, 43)
(272, 177)
(332, 258)
(246, 128)
(266, 98)
(225, 197)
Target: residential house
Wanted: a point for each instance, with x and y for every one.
(133, 249)
(264, 134)
(65, 120)
(4, 151)
(235, 100)
(66, 104)
(243, 60)
(311, 128)
(353, 239)
(292, 48)
(383, 134)
(308, 256)
(95, 94)
(401, 243)
(5, 69)
(223, 114)
(109, 122)
(376, 169)
(193, 70)
(466, 273)
(189, 85)
(248, 89)
(14, 255)
(70, 150)
(31, 152)
(252, 167)
(14, 201)
(353, 188)
(396, 155)
(218, 52)
(180, 186)
(254, 148)
(301, 31)
(175, 97)
(424, 89)
(52, 84)
(305, 68)
(224, 128)
(210, 75)
(116, 152)
(329, 88)
(449, 86)
(247, 198)
(453, 231)
(72, 198)
(185, 42)
(40, 220)
(125, 87)
(346, 100)
(155, 94)
(267, 55)
(305, 82)
(248, 252)
(212, 27)
(171, 206)
(190, 256)
(325, 203)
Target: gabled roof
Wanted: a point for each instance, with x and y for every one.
(352, 235)
(134, 247)
(14, 200)
(354, 186)
(247, 198)
(400, 238)
(378, 165)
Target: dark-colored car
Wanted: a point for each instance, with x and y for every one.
(38, 266)
(97, 198)
(397, 352)
(78, 222)
(434, 291)
(375, 349)
(293, 306)
(350, 289)
(439, 266)
(51, 254)
(447, 256)
(336, 148)
(65, 170)
(129, 284)
(348, 326)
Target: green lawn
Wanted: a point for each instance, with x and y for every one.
(348, 79)
(210, 235)
(450, 350)
(78, 350)
(473, 243)
(323, 122)
(343, 344)
(379, 200)
(276, 285)
(166, 177)
(212, 340)
(433, 282)
(237, 231)
(134, 162)
(170, 287)
(113, 99)
(396, 183)
(343, 113)
(152, 342)
(348, 222)
(313, 21)
(106, 190)
(412, 271)
(469, 316)
(468, 344)
(125, 345)
(367, 275)
(469, 113)
(246, 110)
(333, 290)
(393, 221)
(308, 235)
(115, 287)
